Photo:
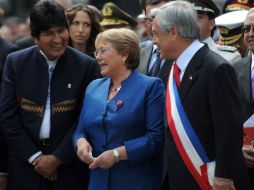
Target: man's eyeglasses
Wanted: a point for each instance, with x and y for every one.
(246, 28)
(101, 51)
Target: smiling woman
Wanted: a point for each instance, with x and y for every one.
(83, 28)
(126, 138)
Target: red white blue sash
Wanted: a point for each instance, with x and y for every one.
(186, 140)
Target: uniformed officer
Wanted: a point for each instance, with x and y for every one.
(230, 26)
(114, 17)
(236, 5)
(207, 11)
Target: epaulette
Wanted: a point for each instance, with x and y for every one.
(227, 48)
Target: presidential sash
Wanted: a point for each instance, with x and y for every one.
(186, 140)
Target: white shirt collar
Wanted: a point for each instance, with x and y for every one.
(154, 47)
(185, 57)
(50, 63)
(207, 40)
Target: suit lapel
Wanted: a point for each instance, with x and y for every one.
(191, 72)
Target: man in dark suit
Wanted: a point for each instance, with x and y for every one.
(40, 103)
(245, 74)
(3, 162)
(149, 52)
(6, 48)
(204, 135)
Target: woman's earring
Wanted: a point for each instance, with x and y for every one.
(123, 61)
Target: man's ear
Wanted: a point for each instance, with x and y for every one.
(211, 24)
(174, 33)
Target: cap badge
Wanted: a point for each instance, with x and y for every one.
(107, 11)
(69, 86)
(224, 30)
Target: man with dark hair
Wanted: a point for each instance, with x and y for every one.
(40, 103)
(150, 62)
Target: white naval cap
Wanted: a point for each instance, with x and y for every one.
(230, 25)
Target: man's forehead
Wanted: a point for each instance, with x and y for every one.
(249, 18)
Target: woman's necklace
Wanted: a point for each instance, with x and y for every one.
(115, 89)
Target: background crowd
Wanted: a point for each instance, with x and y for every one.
(153, 95)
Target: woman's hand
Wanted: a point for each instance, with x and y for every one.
(104, 161)
(84, 151)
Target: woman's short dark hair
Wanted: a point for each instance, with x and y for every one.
(46, 14)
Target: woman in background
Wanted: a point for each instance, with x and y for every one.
(83, 28)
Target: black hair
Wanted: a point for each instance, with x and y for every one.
(153, 2)
(46, 14)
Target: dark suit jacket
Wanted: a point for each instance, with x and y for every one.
(3, 155)
(210, 97)
(145, 56)
(22, 104)
(243, 71)
(5, 48)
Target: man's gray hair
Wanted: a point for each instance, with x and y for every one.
(182, 15)
(250, 12)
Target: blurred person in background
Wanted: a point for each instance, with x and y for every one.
(121, 130)
(231, 34)
(65, 3)
(207, 12)
(236, 5)
(141, 28)
(83, 28)
(151, 63)
(149, 5)
(6, 47)
(245, 74)
(40, 102)
(114, 17)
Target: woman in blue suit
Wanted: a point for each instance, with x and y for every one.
(120, 132)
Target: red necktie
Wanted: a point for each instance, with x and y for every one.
(177, 72)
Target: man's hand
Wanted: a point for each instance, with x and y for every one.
(47, 165)
(248, 153)
(84, 151)
(223, 184)
(3, 182)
